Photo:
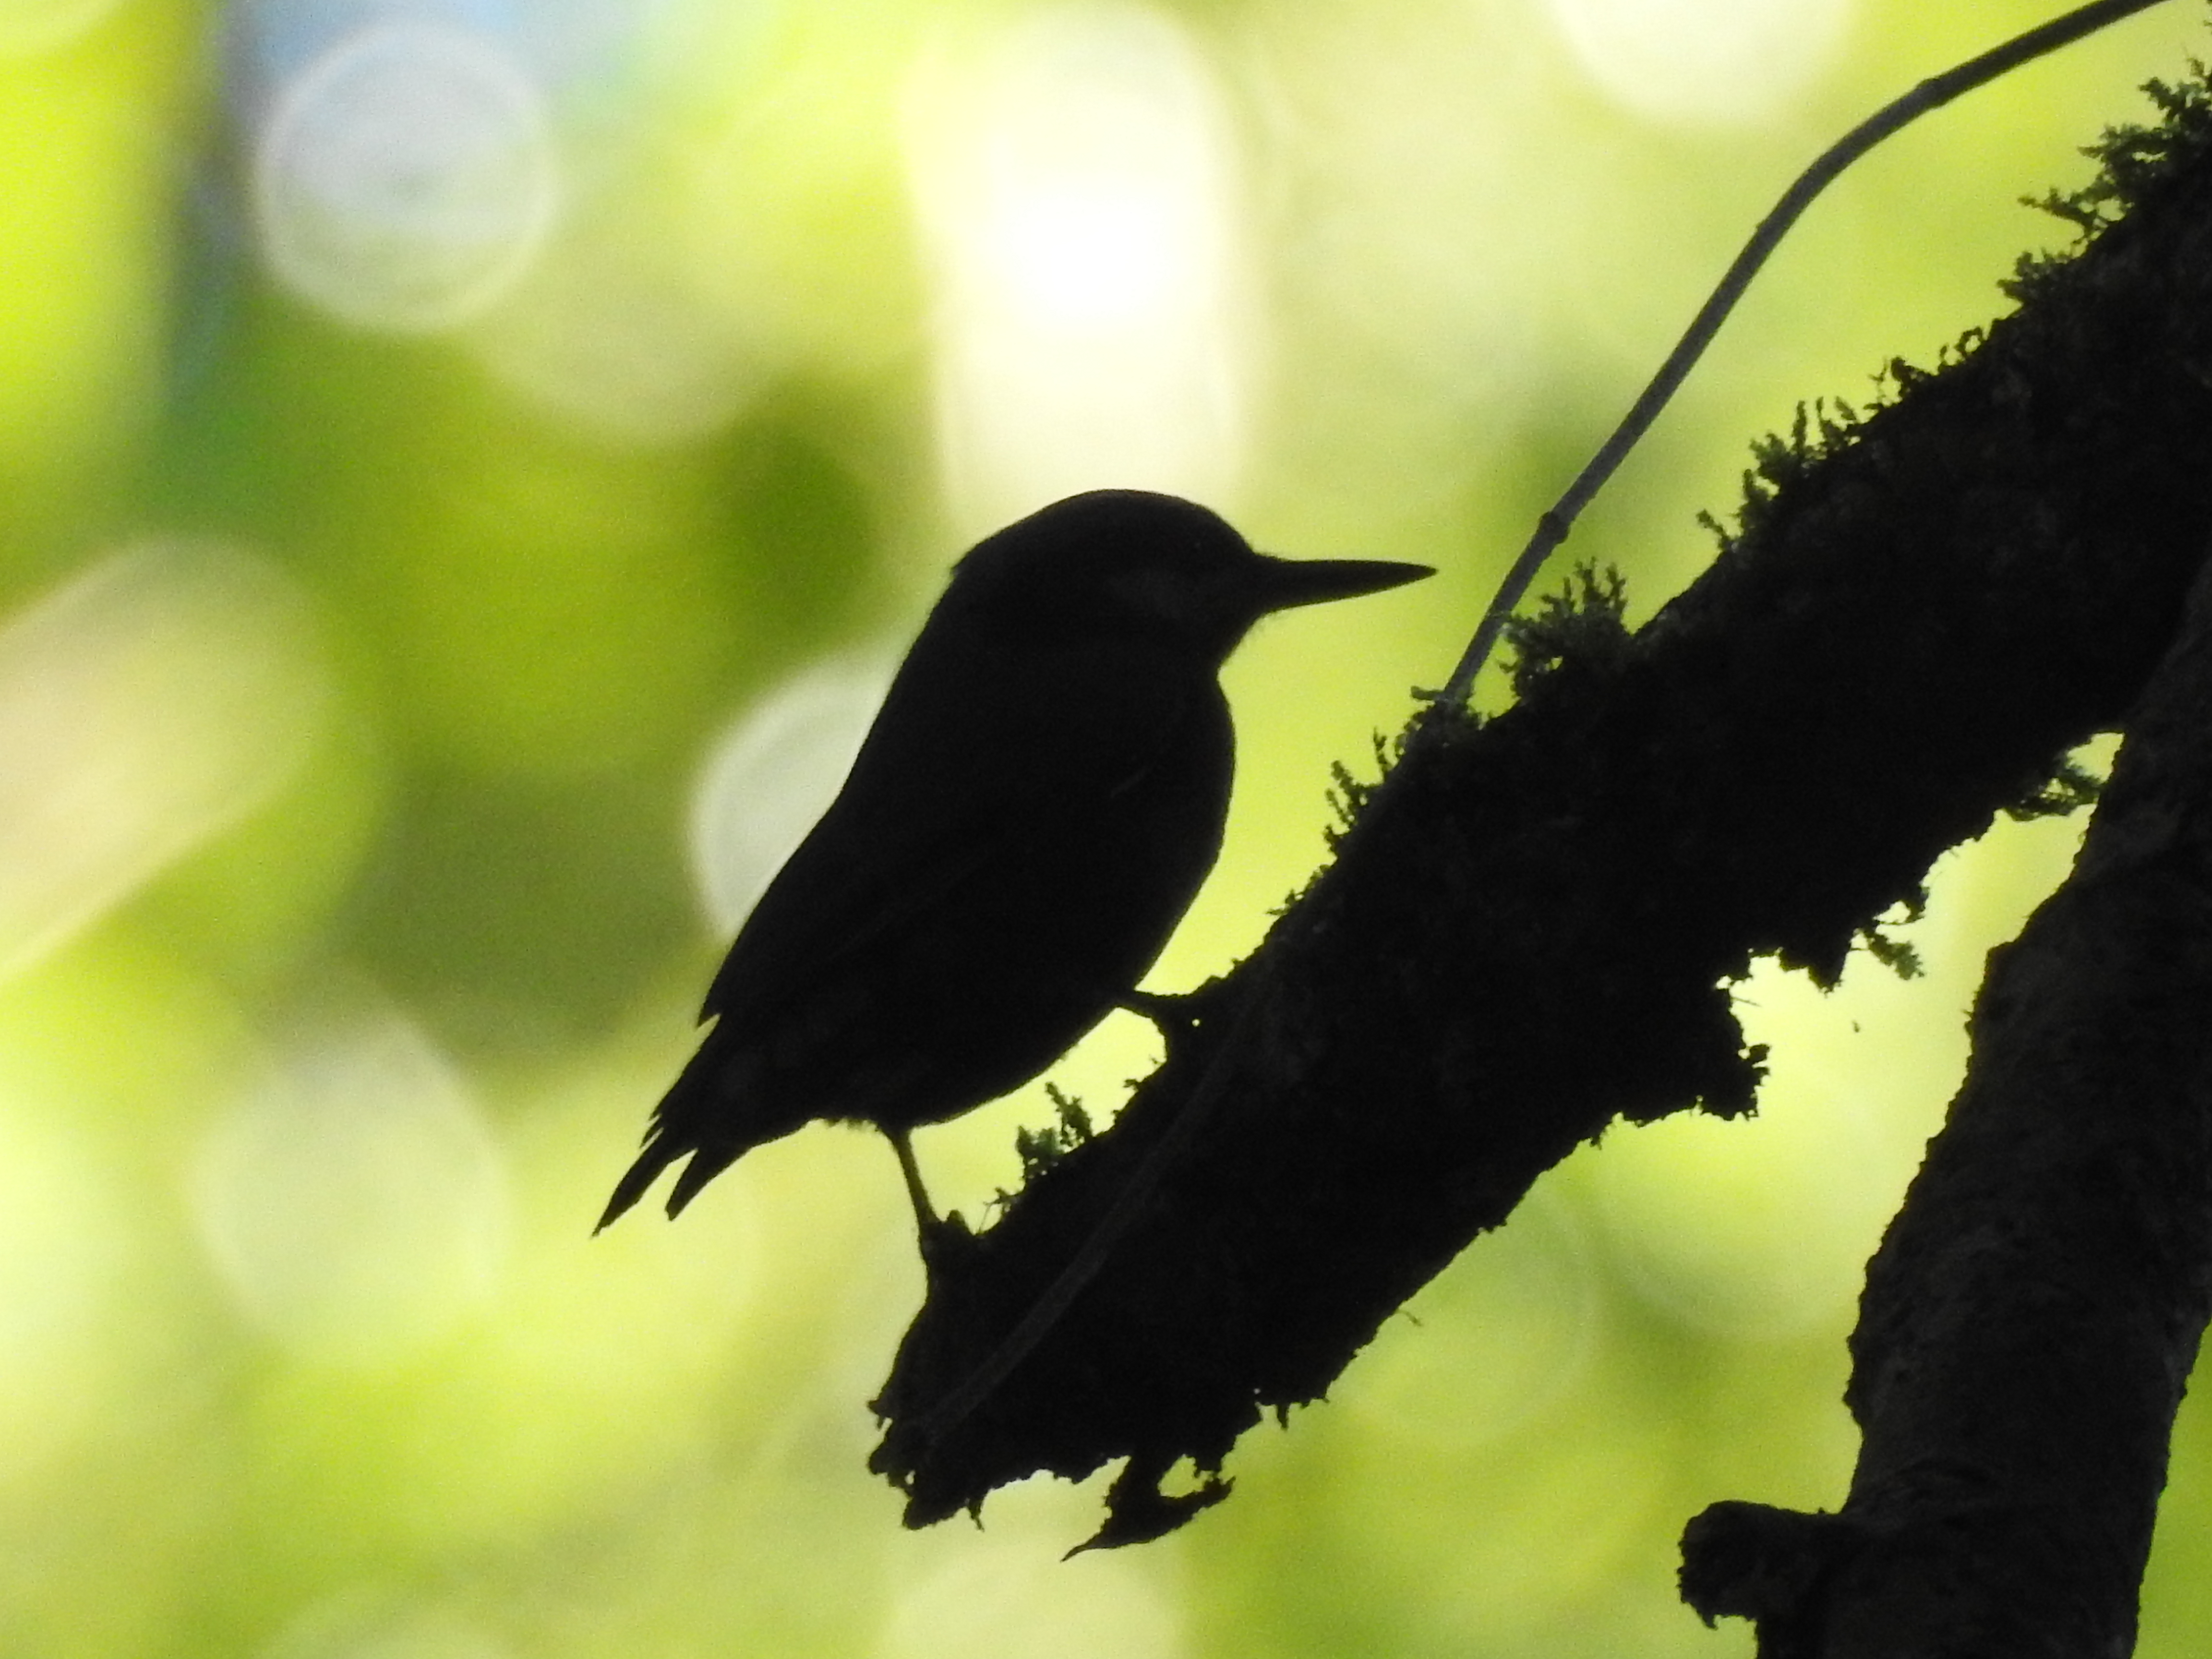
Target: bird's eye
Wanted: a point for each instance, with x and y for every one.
(1153, 591)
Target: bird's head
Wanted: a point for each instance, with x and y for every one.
(1127, 562)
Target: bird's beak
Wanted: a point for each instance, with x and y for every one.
(1287, 582)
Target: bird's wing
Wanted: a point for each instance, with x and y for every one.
(839, 895)
(955, 791)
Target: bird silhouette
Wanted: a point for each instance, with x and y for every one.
(1035, 807)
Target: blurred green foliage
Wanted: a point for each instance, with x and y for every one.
(304, 1111)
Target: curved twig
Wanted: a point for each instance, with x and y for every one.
(1932, 93)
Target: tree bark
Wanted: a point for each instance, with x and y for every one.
(2034, 1314)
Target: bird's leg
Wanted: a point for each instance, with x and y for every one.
(939, 1233)
(924, 1214)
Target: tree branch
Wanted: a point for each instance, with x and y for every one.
(1527, 928)
(2033, 1314)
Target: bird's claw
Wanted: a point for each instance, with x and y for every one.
(1172, 1011)
(1177, 1014)
(946, 1240)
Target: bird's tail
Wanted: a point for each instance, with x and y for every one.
(661, 1149)
(702, 1115)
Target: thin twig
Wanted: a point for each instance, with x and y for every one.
(1932, 93)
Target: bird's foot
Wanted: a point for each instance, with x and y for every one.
(1177, 1014)
(946, 1240)
(1163, 1008)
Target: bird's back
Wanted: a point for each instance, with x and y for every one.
(1017, 837)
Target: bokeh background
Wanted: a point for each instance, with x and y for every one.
(466, 467)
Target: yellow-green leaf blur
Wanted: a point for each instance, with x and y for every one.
(466, 470)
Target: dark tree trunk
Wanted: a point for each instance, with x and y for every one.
(2032, 1317)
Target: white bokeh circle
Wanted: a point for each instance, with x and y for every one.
(407, 178)
(354, 1202)
(770, 774)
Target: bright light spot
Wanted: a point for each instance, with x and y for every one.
(1704, 62)
(60, 1261)
(1012, 1600)
(626, 354)
(1098, 252)
(355, 1201)
(771, 775)
(145, 706)
(407, 178)
(1499, 1335)
(1076, 184)
(28, 27)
